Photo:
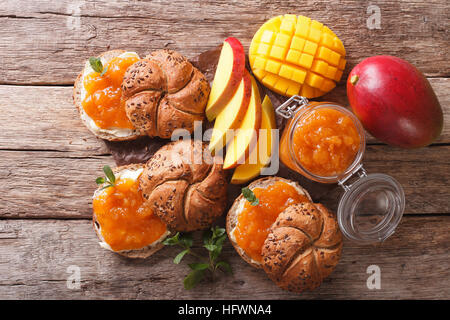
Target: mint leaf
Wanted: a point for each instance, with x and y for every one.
(109, 174)
(217, 232)
(198, 266)
(213, 240)
(180, 256)
(206, 236)
(107, 186)
(219, 241)
(250, 196)
(103, 72)
(96, 65)
(172, 240)
(210, 247)
(218, 250)
(216, 253)
(186, 240)
(225, 266)
(110, 178)
(193, 278)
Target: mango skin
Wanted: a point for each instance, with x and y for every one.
(395, 102)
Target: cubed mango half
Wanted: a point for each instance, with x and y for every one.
(297, 55)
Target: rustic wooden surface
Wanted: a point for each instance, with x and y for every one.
(44, 249)
(48, 160)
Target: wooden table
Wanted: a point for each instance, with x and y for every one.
(49, 160)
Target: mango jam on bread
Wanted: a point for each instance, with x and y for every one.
(98, 96)
(124, 222)
(248, 224)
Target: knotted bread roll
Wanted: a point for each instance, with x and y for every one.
(303, 247)
(164, 92)
(185, 185)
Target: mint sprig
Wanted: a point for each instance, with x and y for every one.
(97, 65)
(213, 240)
(250, 196)
(109, 180)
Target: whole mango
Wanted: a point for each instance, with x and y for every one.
(394, 102)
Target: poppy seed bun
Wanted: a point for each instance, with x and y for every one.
(185, 185)
(303, 247)
(238, 206)
(78, 97)
(137, 253)
(164, 92)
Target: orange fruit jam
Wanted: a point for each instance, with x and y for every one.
(127, 222)
(103, 102)
(326, 142)
(254, 222)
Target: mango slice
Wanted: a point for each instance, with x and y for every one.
(245, 138)
(248, 170)
(297, 55)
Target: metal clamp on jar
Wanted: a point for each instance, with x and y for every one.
(372, 204)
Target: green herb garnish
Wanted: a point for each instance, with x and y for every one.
(250, 196)
(110, 179)
(97, 66)
(213, 240)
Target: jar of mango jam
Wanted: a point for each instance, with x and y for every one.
(325, 142)
(322, 141)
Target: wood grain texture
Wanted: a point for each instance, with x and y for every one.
(49, 184)
(45, 42)
(49, 160)
(423, 173)
(44, 118)
(36, 255)
(45, 184)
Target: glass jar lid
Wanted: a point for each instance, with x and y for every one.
(373, 204)
(371, 207)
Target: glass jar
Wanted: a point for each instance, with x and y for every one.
(372, 204)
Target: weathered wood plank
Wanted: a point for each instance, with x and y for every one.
(45, 42)
(48, 184)
(44, 118)
(48, 160)
(36, 255)
(60, 185)
(423, 173)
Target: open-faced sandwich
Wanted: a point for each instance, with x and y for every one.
(248, 224)
(186, 186)
(98, 95)
(121, 97)
(274, 225)
(181, 188)
(124, 222)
